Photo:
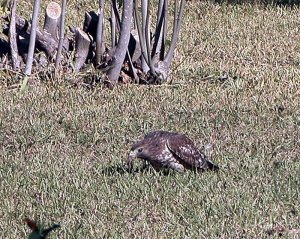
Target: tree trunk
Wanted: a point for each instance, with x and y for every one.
(119, 56)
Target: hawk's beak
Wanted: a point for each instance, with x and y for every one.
(131, 157)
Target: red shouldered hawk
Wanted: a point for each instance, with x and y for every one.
(169, 150)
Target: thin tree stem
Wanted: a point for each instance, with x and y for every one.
(61, 34)
(13, 36)
(29, 60)
(176, 28)
(100, 33)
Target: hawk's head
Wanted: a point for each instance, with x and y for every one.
(136, 151)
(142, 149)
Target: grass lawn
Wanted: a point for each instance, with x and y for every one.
(62, 148)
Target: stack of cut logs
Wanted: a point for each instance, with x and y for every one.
(144, 60)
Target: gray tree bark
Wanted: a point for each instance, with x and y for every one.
(122, 45)
(44, 40)
(61, 34)
(35, 15)
(82, 45)
(100, 34)
(12, 36)
(52, 15)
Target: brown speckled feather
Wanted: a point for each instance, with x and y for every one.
(186, 151)
(169, 150)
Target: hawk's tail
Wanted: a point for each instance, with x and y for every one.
(212, 166)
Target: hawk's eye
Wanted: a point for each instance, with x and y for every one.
(140, 150)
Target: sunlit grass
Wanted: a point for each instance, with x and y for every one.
(62, 148)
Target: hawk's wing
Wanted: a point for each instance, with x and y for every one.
(157, 134)
(186, 151)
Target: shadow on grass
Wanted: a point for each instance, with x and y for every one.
(112, 170)
(122, 169)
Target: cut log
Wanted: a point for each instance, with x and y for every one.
(134, 46)
(82, 45)
(52, 15)
(12, 36)
(23, 44)
(4, 47)
(90, 24)
(44, 40)
(4, 50)
(87, 21)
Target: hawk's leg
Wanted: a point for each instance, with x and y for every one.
(176, 166)
(157, 166)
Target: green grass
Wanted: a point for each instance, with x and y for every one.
(62, 148)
